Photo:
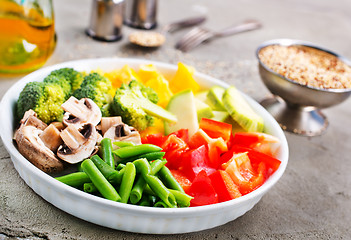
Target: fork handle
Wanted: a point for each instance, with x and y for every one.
(189, 22)
(238, 28)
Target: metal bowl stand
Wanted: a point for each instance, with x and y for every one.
(306, 121)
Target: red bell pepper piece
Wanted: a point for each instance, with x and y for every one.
(255, 157)
(181, 179)
(216, 129)
(174, 147)
(182, 134)
(194, 161)
(202, 191)
(215, 146)
(155, 139)
(224, 186)
(242, 173)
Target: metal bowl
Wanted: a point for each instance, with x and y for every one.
(296, 106)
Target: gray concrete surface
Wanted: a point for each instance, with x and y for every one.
(313, 198)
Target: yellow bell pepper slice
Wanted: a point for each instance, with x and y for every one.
(158, 127)
(151, 77)
(184, 79)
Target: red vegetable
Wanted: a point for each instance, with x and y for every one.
(174, 147)
(194, 161)
(181, 178)
(216, 129)
(224, 186)
(242, 173)
(202, 191)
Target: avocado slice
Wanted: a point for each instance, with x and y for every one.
(241, 111)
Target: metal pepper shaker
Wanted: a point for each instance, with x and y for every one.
(106, 20)
(141, 13)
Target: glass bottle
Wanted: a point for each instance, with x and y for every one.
(27, 34)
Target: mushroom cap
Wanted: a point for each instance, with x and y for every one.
(122, 132)
(79, 112)
(87, 141)
(33, 148)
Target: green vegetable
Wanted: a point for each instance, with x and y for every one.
(149, 156)
(100, 182)
(123, 144)
(76, 180)
(62, 82)
(127, 152)
(45, 98)
(241, 111)
(168, 179)
(97, 88)
(72, 76)
(89, 188)
(139, 186)
(137, 106)
(155, 183)
(182, 105)
(109, 172)
(127, 182)
(106, 152)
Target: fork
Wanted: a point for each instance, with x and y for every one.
(198, 35)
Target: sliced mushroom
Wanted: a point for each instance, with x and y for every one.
(107, 122)
(123, 132)
(30, 119)
(78, 143)
(33, 148)
(79, 112)
(51, 137)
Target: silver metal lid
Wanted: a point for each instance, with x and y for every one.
(141, 13)
(106, 20)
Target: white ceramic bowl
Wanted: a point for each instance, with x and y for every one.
(124, 216)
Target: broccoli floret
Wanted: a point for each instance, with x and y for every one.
(45, 98)
(146, 91)
(62, 81)
(133, 104)
(97, 88)
(75, 78)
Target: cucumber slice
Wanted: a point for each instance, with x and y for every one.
(182, 105)
(241, 111)
(214, 98)
(202, 110)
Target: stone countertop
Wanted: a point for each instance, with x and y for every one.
(313, 198)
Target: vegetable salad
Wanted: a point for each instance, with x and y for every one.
(139, 138)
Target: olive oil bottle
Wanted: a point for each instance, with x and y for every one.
(27, 35)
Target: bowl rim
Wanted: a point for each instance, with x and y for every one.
(10, 146)
(294, 42)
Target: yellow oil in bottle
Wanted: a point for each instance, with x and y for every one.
(27, 37)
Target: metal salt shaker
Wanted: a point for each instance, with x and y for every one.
(106, 20)
(141, 13)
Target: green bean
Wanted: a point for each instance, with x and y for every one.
(155, 183)
(123, 144)
(161, 204)
(120, 166)
(131, 151)
(89, 187)
(149, 156)
(109, 173)
(183, 199)
(127, 182)
(79, 167)
(76, 179)
(137, 191)
(168, 179)
(101, 183)
(145, 201)
(106, 152)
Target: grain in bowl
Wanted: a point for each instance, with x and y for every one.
(307, 66)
